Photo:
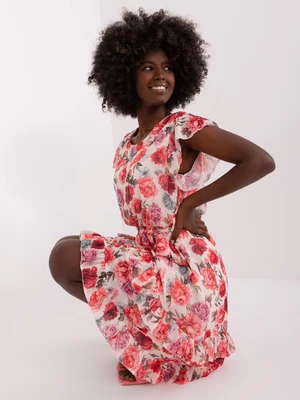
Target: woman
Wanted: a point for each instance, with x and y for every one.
(159, 298)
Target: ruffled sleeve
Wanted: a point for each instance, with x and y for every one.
(185, 126)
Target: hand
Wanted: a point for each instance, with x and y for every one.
(190, 220)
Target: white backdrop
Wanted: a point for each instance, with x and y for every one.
(57, 146)
(56, 149)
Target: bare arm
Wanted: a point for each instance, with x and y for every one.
(252, 163)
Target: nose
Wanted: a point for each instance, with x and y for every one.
(159, 74)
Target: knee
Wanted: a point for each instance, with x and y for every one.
(57, 260)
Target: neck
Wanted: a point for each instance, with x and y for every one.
(148, 118)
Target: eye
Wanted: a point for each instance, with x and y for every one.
(169, 67)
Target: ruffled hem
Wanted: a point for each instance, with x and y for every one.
(176, 359)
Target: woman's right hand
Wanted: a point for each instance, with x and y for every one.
(196, 226)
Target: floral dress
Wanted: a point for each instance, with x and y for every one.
(161, 307)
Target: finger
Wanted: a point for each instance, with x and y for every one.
(175, 234)
(202, 225)
(200, 222)
(203, 233)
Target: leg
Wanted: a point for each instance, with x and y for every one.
(64, 263)
(68, 237)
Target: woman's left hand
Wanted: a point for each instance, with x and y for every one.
(190, 220)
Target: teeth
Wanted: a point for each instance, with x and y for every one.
(159, 87)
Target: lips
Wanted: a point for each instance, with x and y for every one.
(158, 88)
(156, 85)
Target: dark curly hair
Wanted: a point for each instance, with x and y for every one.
(124, 44)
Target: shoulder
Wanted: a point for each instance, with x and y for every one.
(188, 119)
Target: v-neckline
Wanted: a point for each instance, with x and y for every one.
(149, 134)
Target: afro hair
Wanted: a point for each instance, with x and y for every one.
(124, 44)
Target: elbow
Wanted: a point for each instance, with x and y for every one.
(266, 163)
(270, 164)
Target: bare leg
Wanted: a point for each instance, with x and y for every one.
(64, 263)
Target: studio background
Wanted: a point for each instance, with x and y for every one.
(56, 151)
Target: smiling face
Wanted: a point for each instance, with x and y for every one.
(155, 79)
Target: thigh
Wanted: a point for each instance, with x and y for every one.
(68, 237)
(64, 260)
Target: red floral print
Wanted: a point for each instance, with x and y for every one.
(162, 307)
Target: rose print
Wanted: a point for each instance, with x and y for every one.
(169, 372)
(159, 157)
(147, 187)
(222, 288)
(156, 214)
(97, 298)
(120, 197)
(198, 246)
(223, 349)
(120, 341)
(225, 326)
(140, 155)
(147, 258)
(213, 258)
(128, 288)
(190, 324)
(109, 255)
(123, 271)
(146, 275)
(122, 176)
(209, 278)
(133, 315)
(161, 331)
(207, 334)
(180, 293)
(185, 350)
(110, 311)
(131, 357)
(201, 309)
(98, 244)
(89, 277)
(152, 216)
(167, 183)
(155, 366)
(162, 244)
(226, 304)
(220, 315)
(159, 137)
(129, 192)
(182, 377)
(137, 206)
(194, 123)
(109, 331)
(154, 304)
(120, 163)
(222, 266)
(88, 255)
(141, 372)
(194, 277)
(144, 341)
(113, 293)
